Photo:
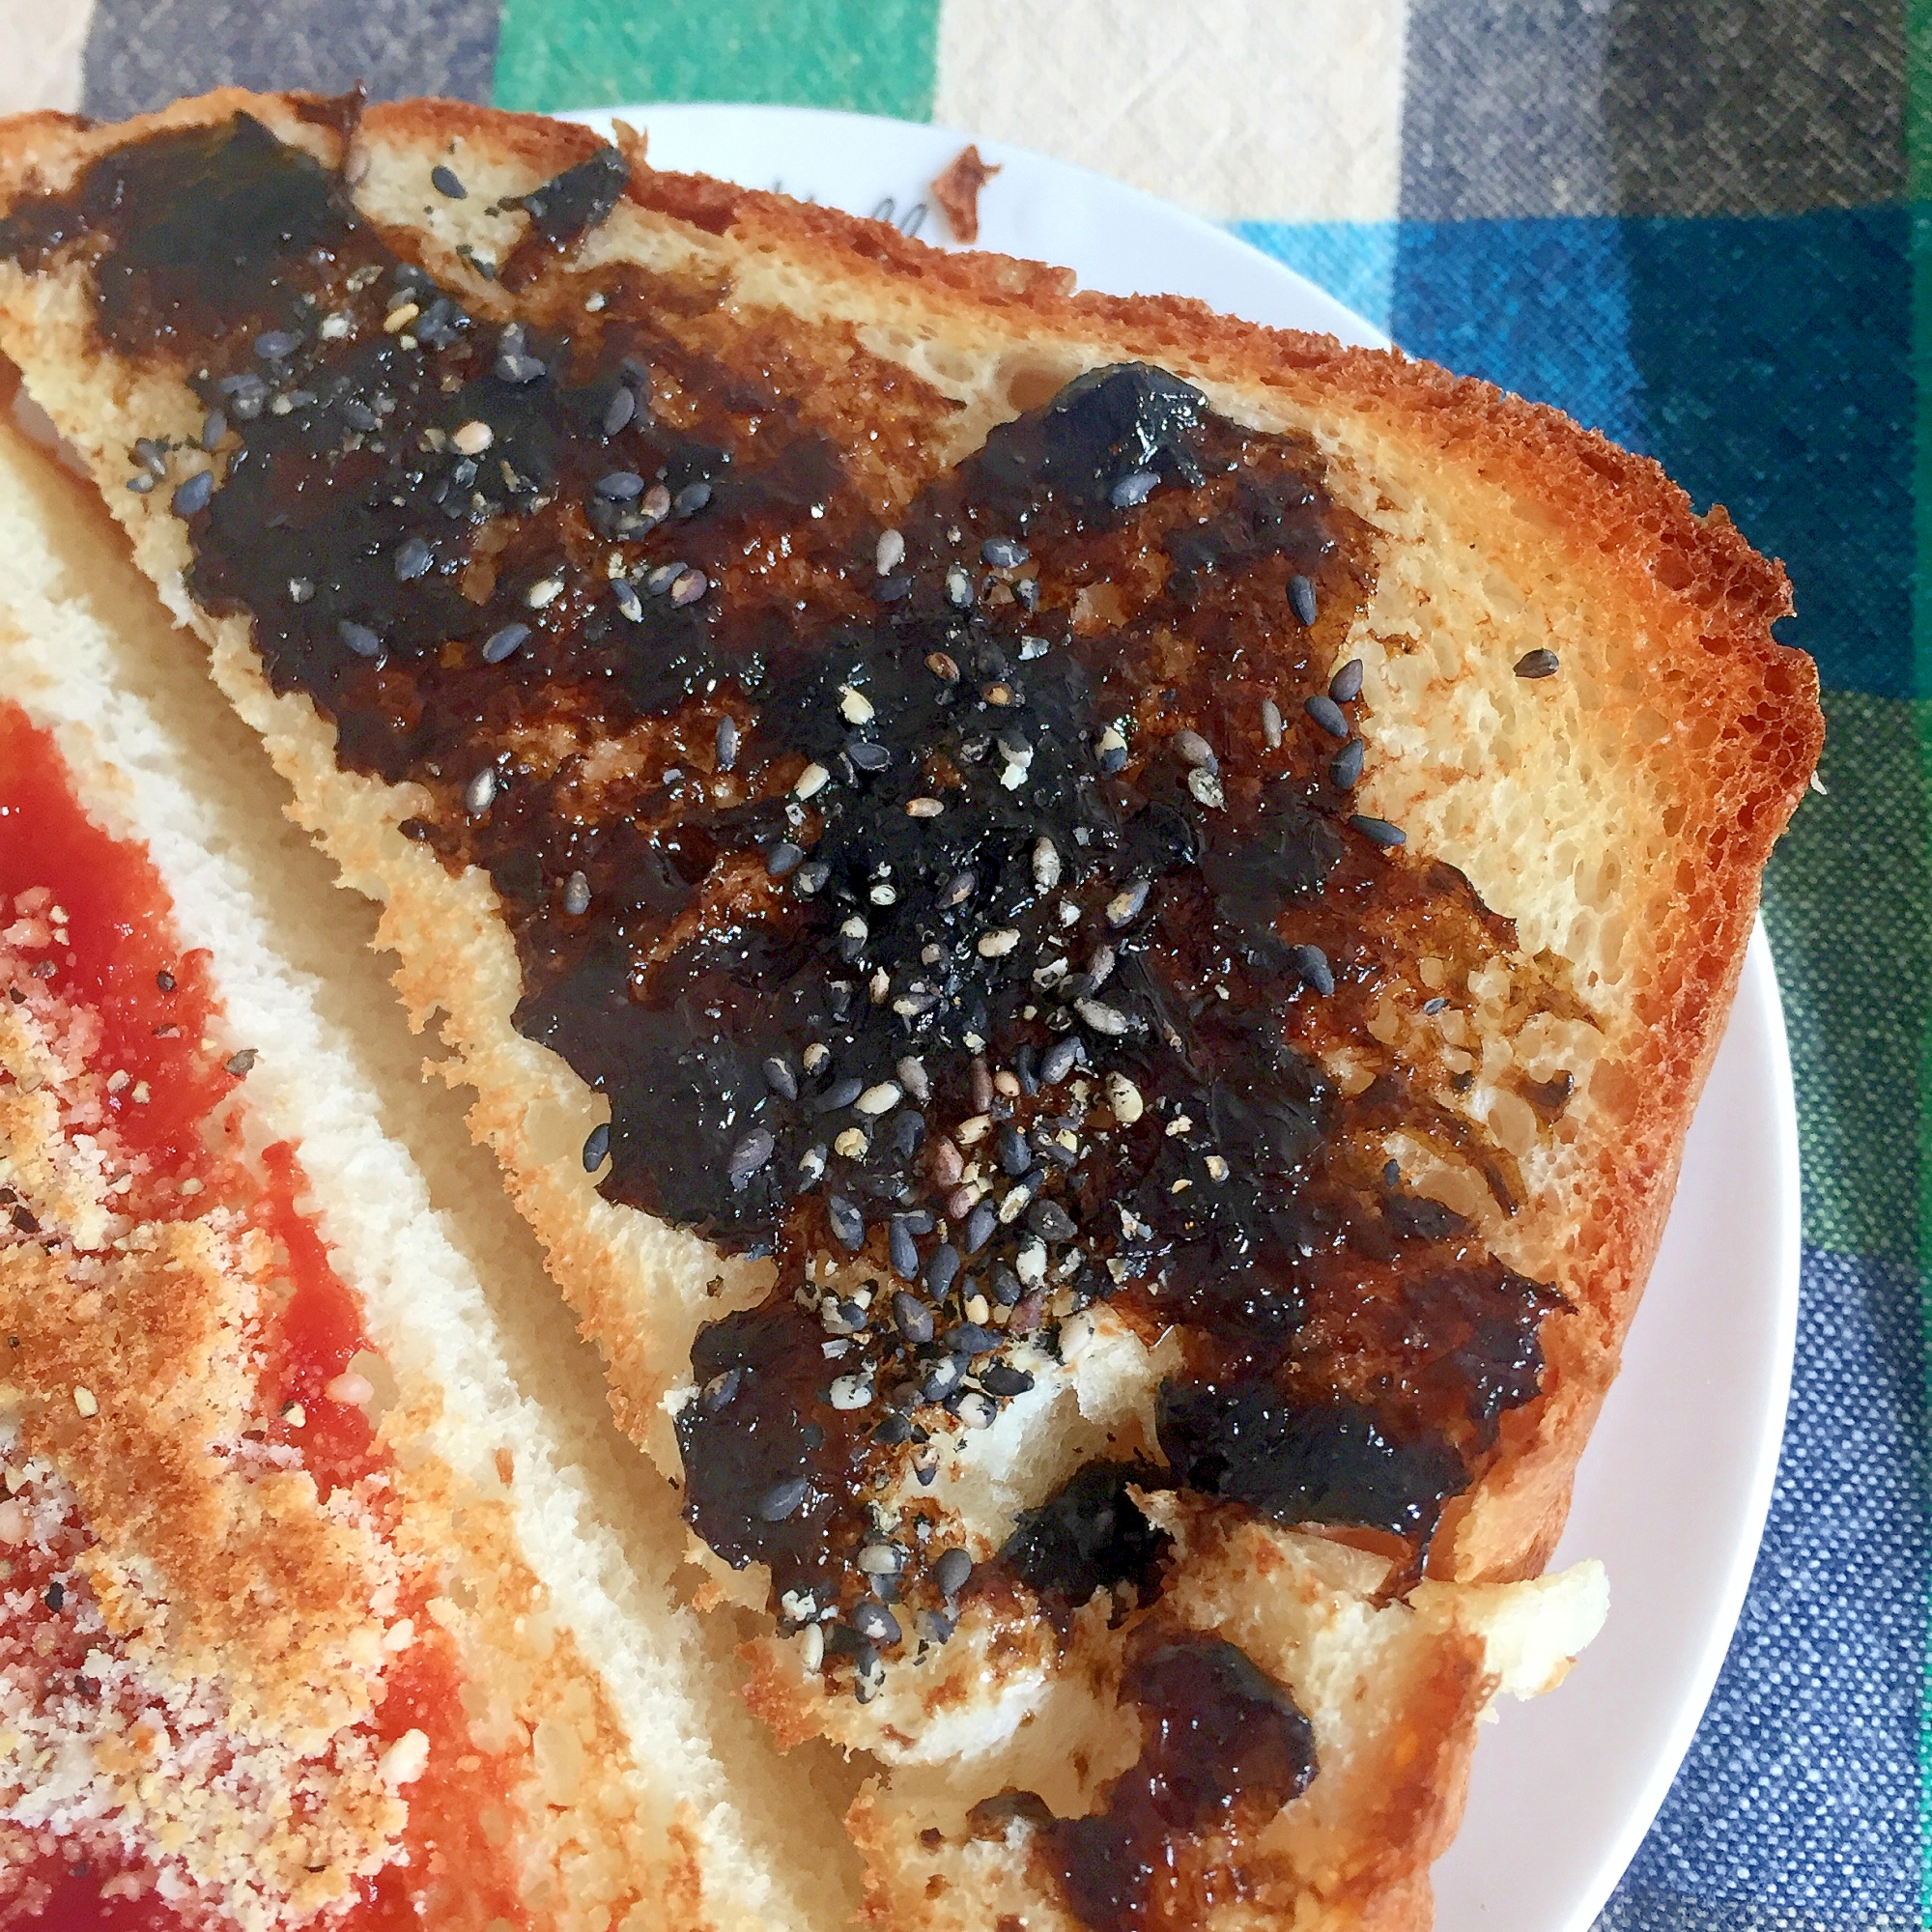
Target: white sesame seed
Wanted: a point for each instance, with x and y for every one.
(473, 438)
(971, 1129)
(923, 807)
(1075, 1333)
(852, 1392)
(878, 1559)
(851, 1143)
(976, 1411)
(333, 327)
(1217, 1168)
(1102, 1019)
(880, 1099)
(399, 318)
(481, 793)
(84, 1401)
(1045, 863)
(1124, 1098)
(854, 707)
(811, 1647)
(891, 552)
(1206, 787)
(811, 780)
(997, 944)
(545, 591)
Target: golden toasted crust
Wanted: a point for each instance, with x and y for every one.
(1620, 817)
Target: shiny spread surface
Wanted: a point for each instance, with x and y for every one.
(115, 956)
(955, 890)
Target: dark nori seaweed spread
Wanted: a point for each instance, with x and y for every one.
(971, 890)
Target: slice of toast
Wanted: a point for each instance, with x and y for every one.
(1266, 833)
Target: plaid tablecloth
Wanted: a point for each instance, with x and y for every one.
(1698, 225)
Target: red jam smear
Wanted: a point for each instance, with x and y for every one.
(121, 953)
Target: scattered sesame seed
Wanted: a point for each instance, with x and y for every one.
(1302, 600)
(84, 1401)
(1346, 769)
(951, 1571)
(238, 1063)
(960, 888)
(480, 793)
(848, 1223)
(1206, 787)
(979, 1226)
(1104, 1019)
(868, 755)
(942, 1267)
(1537, 663)
(997, 944)
(545, 591)
(958, 588)
(854, 707)
(1433, 1006)
(1346, 686)
(1124, 1098)
(692, 498)
(782, 857)
(889, 553)
(941, 665)
(875, 1622)
(881, 1098)
(576, 895)
(748, 1156)
(811, 1649)
(656, 505)
(274, 345)
(976, 1410)
(688, 587)
(1133, 489)
(620, 410)
(399, 319)
(1194, 749)
(193, 495)
(782, 1499)
(445, 184)
(811, 780)
(1311, 963)
(413, 558)
(596, 1145)
(1003, 553)
(472, 438)
(1111, 749)
(1327, 715)
(360, 638)
(1271, 724)
(620, 486)
(1126, 905)
(923, 807)
(213, 427)
(141, 483)
(726, 744)
(1378, 831)
(1057, 1060)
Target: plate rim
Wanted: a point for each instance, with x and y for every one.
(1756, 1000)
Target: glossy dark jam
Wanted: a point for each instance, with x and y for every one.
(153, 1007)
(1223, 1749)
(863, 824)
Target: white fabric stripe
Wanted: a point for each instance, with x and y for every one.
(39, 54)
(1284, 110)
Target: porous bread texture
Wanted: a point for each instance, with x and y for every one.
(644, 1797)
(1500, 528)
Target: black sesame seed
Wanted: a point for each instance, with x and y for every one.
(1327, 714)
(839, 1094)
(1006, 1286)
(413, 559)
(951, 1571)
(1346, 686)
(812, 875)
(620, 410)
(620, 486)
(213, 427)
(576, 895)
(782, 1499)
(867, 757)
(357, 414)
(1435, 1006)
(779, 1077)
(891, 1432)
(1133, 489)
(1378, 831)
(1311, 963)
(194, 494)
(1050, 1221)
(1003, 553)
(1016, 1156)
(596, 1145)
(914, 1317)
(692, 498)
(1056, 1062)
(1003, 1380)
(1537, 663)
(726, 743)
(970, 1339)
(890, 589)
(360, 638)
(1346, 770)
(1301, 599)
(958, 888)
(958, 588)
(942, 1379)
(749, 1155)
(908, 1129)
(274, 345)
(942, 1269)
(718, 1392)
(784, 857)
(1025, 1069)
(507, 642)
(876, 1623)
(848, 1224)
(979, 1226)
(904, 1251)
(628, 602)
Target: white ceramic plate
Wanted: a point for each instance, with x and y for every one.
(1673, 1491)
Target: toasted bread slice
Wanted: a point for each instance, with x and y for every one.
(1420, 609)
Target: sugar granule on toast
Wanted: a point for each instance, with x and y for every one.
(1088, 932)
